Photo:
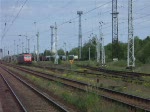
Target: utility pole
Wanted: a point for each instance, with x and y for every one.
(89, 49)
(65, 49)
(130, 54)
(80, 36)
(89, 54)
(37, 46)
(98, 49)
(17, 50)
(4, 51)
(52, 38)
(102, 45)
(56, 54)
(22, 48)
(1, 53)
(115, 44)
(37, 42)
(103, 52)
(28, 45)
(34, 54)
(14, 47)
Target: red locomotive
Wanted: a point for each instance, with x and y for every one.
(24, 59)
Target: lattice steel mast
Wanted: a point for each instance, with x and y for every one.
(80, 35)
(115, 44)
(102, 49)
(130, 54)
(98, 48)
(37, 46)
(52, 38)
(56, 54)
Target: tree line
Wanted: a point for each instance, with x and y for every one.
(142, 50)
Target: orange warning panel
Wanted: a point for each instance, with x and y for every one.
(71, 61)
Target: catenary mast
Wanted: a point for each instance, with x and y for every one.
(80, 35)
(115, 44)
(130, 53)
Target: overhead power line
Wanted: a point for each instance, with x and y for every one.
(14, 19)
(97, 7)
(89, 11)
(13, 10)
(83, 14)
(48, 17)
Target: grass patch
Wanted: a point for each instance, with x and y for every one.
(85, 101)
(129, 87)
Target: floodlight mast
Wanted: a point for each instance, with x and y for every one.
(56, 54)
(80, 35)
(52, 37)
(102, 45)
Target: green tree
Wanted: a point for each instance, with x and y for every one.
(142, 50)
(85, 51)
(108, 52)
(122, 51)
(48, 53)
(74, 51)
(61, 52)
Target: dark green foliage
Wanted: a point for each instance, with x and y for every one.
(74, 51)
(108, 52)
(61, 52)
(48, 53)
(122, 51)
(142, 50)
(115, 50)
(85, 51)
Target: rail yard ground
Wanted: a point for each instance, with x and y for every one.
(74, 56)
(1, 107)
(139, 87)
(119, 66)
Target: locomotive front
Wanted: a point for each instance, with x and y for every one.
(27, 58)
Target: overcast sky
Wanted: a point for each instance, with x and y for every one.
(64, 13)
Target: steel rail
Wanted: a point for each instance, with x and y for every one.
(100, 88)
(61, 108)
(14, 94)
(136, 74)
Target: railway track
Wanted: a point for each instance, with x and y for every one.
(126, 99)
(125, 78)
(114, 72)
(31, 99)
(8, 98)
(95, 72)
